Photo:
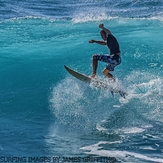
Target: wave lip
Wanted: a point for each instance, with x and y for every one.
(93, 14)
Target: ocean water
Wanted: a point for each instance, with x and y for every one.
(47, 115)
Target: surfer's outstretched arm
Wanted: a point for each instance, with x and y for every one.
(98, 42)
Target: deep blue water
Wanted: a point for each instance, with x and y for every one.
(45, 112)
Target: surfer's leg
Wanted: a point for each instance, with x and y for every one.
(94, 66)
(112, 63)
(107, 73)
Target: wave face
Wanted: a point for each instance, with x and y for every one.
(45, 111)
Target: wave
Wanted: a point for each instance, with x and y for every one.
(88, 10)
(84, 17)
(122, 155)
(94, 16)
(77, 105)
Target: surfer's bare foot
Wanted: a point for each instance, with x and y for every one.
(93, 75)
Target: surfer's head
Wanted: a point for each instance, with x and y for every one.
(103, 35)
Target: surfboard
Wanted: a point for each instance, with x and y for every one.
(95, 82)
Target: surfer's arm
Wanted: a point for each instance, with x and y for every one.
(98, 42)
(105, 29)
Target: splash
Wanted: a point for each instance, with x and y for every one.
(94, 14)
(76, 106)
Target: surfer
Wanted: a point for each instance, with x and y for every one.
(113, 59)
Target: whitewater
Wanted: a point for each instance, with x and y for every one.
(49, 116)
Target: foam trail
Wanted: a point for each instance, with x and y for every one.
(96, 149)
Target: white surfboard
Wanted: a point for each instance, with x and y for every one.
(96, 83)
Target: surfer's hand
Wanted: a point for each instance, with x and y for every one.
(91, 41)
(101, 25)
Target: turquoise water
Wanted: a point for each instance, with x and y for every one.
(46, 112)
